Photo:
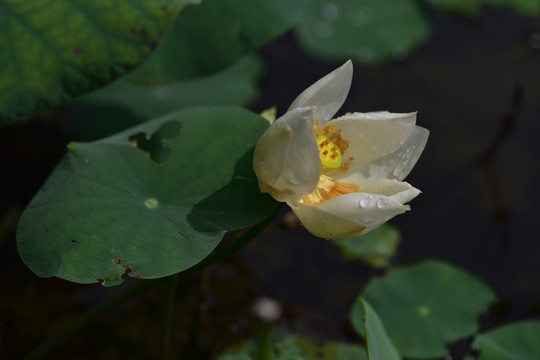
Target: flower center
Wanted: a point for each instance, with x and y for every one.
(329, 153)
(329, 188)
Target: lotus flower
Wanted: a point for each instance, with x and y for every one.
(342, 177)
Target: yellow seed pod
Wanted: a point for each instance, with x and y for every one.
(329, 153)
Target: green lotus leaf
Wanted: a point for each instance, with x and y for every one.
(148, 202)
(54, 50)
(368, 32)
(425, 306)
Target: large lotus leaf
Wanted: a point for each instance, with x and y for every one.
(295, 348)
(53, 50)
(148, 202)
(517, 341)
(378, 345)
(209, 37)
(125, 103)
(369, 32)
(425, 306)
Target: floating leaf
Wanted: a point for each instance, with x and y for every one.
(379, 346)
(425, 306)
(369, 32)
(374, 248)
(518, 341)
(55, 50)
(150, 201)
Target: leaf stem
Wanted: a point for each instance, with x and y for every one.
(169, 306)
(264, 346)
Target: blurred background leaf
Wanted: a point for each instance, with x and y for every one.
(474, 7)
(148, 202)
(212, 36)
(517, 341)
(368, 32)
(206, 59)
(294, 347)
(425, 306)
(125, 103)
(374, 248)
(52, 51)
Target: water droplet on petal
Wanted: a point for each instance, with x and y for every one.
(364, 203)
(381, 203)
(370, 196)
(398, 171)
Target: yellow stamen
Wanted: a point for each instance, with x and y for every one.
(329, 188)
(334, 137)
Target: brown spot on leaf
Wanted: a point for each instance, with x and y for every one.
(182, 235)
(164, 7)
(128, 271)
(77, 51)
(143, 33)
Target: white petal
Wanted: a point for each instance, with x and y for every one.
(348, 215)
(373, 135)
(400, 191)
(395, 166)
(286, 160)
(327, 94)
